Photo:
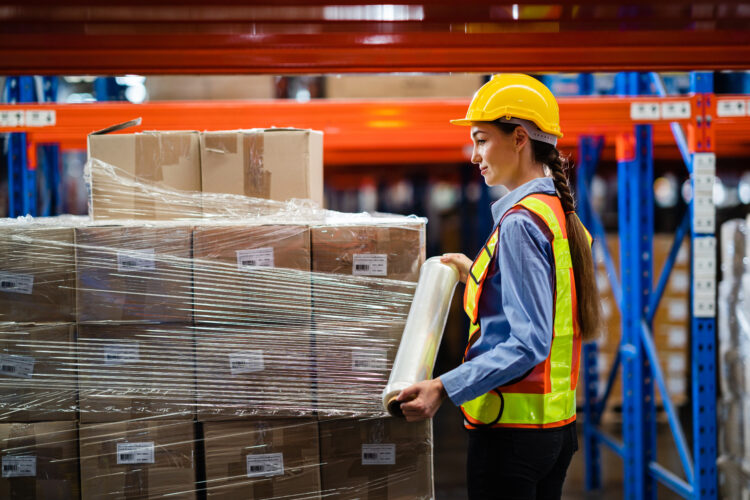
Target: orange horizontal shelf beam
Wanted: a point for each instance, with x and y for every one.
(359, 132)
(475, 49)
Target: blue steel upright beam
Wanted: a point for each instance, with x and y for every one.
(703, 274)
(635, 212)
(589, 149)
(21, 175)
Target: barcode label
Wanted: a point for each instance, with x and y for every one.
(16, 366)
(378, 454)
(370, 264)
(246, 362)
(121, 354)
(256, 257)
(16, 283)
(266, 465)
(369, 360)
(135, 453)
(136, 260)
(19, 466)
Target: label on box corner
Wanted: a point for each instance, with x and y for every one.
(370, 264)
(246, 362)
(265, 465)
(136, 260)
(121, 353)
(369, 360)
(16, 283)
(378, 454)
(256, 257)
(135, 453)
(19, 466)
(16, 366)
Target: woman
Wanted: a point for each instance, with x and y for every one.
(531, 298)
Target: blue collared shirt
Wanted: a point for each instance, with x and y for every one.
(516, 304)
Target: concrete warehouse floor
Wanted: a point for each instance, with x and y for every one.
(450, 462)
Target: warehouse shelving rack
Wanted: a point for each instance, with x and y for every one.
(46, 37)
(637, 358)
(634, 126)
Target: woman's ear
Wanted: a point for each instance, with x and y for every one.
(520, 138)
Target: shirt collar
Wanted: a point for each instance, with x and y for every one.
(544, 185)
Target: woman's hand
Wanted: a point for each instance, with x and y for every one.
(422, 400)
(462, 263)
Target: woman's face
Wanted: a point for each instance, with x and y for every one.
(496, 154)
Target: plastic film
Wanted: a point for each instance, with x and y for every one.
(423, 330)
(733, 408)
(238, 350)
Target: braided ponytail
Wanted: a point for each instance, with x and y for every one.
(589, 308)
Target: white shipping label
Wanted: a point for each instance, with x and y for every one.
(369, 360)
(11, 118)
(679, 281)
(378, 454)
(136, 260)
(256, 257)
(730, 107)
(370, 264)
(265, 465)
(676, 385)
(19, 466)
(40, 118)
(677, 337)
(677, 310)
(644, 111)
(246, 362)
(16, 366)
(675, 110)
(676, 363)
(16, 283)
(135, 453)
(121, 354)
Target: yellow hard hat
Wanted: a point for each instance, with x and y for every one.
(512, 95)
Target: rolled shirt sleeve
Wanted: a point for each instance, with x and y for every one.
(518, 334)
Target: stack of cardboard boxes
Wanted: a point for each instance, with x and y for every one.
(670, 327)
(38, 432)
(228, 358)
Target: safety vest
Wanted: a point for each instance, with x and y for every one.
(545, 396)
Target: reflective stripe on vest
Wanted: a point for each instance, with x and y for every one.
(555, 405)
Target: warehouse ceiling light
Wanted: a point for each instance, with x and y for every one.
(373, 13)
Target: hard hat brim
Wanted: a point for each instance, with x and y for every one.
(462, 121)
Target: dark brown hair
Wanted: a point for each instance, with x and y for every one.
(587, 295)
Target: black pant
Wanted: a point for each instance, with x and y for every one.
(519, 464)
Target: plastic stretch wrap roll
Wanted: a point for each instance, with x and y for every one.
(423, 331)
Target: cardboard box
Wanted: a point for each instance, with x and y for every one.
(393, 251)
(250, 275)
(356, 340)
(37, 373)
(168, 159)
(261, 371)
(262, 459)
(205, 87)
(138, 460)
(353, 361)
(134, 273)
(39, 461)
(383, 459)
(392, 86)
(37, 274)
(135, 371)
(277, 164)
